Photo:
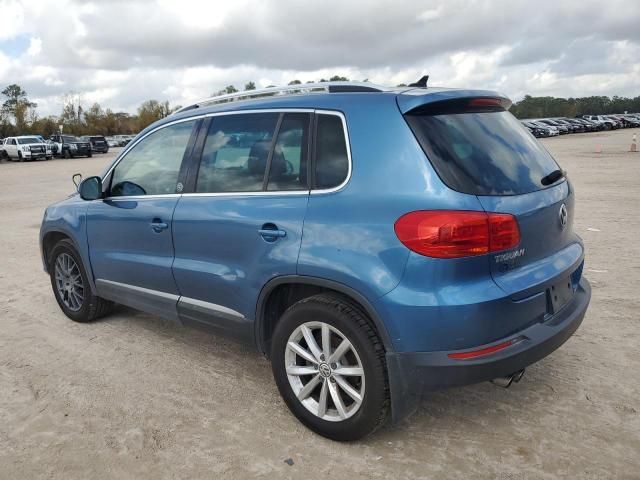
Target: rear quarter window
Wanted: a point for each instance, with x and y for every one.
(332, 158)
(483, 153)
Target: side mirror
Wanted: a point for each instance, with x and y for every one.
(90, 188)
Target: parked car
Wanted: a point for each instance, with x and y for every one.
(26, 147)
(578, 127)
(68, 146)
(586, 127)
(539, 131)
(112, 142)
(563, 129)
(122, 140)
(617, 120)
(631, 121)
(473, 273)
(554, 130)
(606, 123)
(591, 126)
(98, 143)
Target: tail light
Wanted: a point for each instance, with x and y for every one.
(455, 234)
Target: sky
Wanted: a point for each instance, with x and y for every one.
(121, 52)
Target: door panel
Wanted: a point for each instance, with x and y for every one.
(125, 246)
(130, 231)
(222, 259)
(232, 235)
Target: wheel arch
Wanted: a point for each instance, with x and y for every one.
(50, 239)
(305, 286)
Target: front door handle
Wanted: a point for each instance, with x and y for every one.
(158, 225)
(270, 232)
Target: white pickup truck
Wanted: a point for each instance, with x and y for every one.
(26, 148)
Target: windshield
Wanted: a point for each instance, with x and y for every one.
(28, 140)
(69, 139)
(486, 153)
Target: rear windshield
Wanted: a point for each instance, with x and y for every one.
(486, 153)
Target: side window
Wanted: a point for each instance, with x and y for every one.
(332, 160)
(288, 169)
(153, 165)
(234, 158)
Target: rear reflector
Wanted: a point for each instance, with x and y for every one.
(482, 352)
(455, 233)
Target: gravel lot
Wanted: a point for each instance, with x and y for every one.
(132, 396)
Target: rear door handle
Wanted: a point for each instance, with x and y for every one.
(270, 232)
(158, 225)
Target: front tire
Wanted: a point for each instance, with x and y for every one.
(329, 366)
(67, 154)
(71, 285)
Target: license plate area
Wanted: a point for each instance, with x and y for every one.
(559, 294)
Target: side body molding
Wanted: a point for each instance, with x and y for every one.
(182, 310)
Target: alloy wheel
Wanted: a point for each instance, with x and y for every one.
(325, 371)
(69, 282)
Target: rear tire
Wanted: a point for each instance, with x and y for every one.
(67, 154)
(333, 399)
(20, 158)
(71, 285)
(90, 155)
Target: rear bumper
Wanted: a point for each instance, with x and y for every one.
(411, 374)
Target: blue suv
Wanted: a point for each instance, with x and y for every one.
(376, 244)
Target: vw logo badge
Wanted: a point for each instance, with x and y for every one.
(325, 370)
(563, 214)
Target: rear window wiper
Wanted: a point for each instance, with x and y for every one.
(553, 177)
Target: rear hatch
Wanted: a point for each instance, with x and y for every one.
(477, 147)
(99, 142)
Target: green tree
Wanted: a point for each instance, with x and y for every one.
(17, 105)
(226, 90)
(151, 111)
(46, 126)
(338, 78)
(537, 107)
(249, 86)
(294, 82)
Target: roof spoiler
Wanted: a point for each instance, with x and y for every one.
(419, 98)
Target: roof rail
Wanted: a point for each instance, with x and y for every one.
(299, 89)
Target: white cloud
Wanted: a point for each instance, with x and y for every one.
(122, 52)
(35, 46)
(12, 19)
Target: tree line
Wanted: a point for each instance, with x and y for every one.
(19, 115)
(539, 107)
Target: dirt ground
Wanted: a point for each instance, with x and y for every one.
(132, 396)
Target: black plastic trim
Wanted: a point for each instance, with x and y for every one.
(320, 282)
(352, 89)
